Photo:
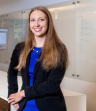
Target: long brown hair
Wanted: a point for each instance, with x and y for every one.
(54, 51)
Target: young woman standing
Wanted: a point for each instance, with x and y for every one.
(42, 59)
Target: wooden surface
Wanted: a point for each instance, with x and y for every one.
(4, 105)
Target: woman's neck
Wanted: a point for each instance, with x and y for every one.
(39, 41)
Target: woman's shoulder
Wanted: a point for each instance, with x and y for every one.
(19, 46)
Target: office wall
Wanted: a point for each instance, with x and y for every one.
(87, 88)
(17, 5)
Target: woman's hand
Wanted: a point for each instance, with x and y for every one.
(16, 97)
(16, 106)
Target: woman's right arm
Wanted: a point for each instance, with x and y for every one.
(12, 73)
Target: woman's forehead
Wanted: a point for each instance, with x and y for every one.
(38, 13)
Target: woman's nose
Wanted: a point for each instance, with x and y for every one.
(37, 24)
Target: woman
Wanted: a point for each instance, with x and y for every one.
(42, 61)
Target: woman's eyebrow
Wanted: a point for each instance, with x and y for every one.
(39, 17)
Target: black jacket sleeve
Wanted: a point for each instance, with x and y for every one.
(51, 86)
(12, 73)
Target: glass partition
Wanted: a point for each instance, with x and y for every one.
(86, 40)
(64, 18)
(14, 23)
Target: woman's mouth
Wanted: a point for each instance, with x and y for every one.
(38, 29)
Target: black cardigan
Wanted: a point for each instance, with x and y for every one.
(46, 84)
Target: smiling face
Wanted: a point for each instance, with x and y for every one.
(38, 23)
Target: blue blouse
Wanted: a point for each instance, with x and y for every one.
(31, 105)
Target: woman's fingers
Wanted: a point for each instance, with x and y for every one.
(13, 102)
(16, 106)
(16, 97)
(10, 100)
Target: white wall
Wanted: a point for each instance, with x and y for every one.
(76, 85)
(4, 67)
(17, 5)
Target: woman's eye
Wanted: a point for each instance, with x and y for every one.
(32, 20)
(41, 19)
